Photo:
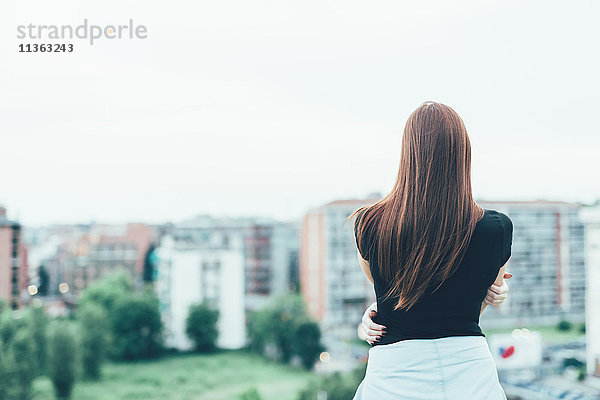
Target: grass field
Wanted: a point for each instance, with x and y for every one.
(220, 376)
(550, 334)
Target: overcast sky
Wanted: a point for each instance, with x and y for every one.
(273, 107)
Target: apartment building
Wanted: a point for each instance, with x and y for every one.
(270, 251)
(240, 263)
(334, 287)
(80, 254)
(210, 271)
(13, 279)
(547, 263)
(591, 218)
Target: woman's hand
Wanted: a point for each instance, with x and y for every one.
(497, 294)
(369, 330)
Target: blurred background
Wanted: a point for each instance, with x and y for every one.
(172, 208)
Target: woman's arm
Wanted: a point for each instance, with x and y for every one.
(499, 283)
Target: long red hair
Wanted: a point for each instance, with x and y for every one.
(422, 228)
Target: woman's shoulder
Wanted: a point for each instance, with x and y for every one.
(497, 229)
(495, 222)
(364, 245)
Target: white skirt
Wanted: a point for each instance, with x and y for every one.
(458, 367)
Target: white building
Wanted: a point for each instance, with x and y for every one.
(190, 273)
(270, 251)
(591, 219)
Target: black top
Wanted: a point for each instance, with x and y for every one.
(452, 310)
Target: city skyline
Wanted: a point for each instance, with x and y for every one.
(236, 109)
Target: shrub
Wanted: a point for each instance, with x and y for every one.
(136, 327)
(201, 326)
(62, 359)
(250, 394)
(564, 326)
(572, 362)
(335, 385)
(94, 334)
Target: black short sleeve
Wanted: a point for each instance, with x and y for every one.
(500, 232)
(507, 234)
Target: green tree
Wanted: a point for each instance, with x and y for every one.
(286, 313)
(62, 359)
(22, 364)
(5, 377)
(136, 327)
(107, 291)
(148, 272)
(95, 336)
(307, 343)
(8, 327)
(36, 322)
(201, 326)
(280, 324)
(44, 281)
(3, 305)
(258, 327)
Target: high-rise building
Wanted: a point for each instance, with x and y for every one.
(333, 285)
(591, 218)
(12, 265)
(547, 263)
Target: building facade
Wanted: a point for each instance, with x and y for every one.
(80, 254)
(269, 247)
(193, 273)
(256, 253)
(12, 261)
(591, 218)
(547, 262)
(333, 285)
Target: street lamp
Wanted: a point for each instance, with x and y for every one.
(63, 287)
(32, 290)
